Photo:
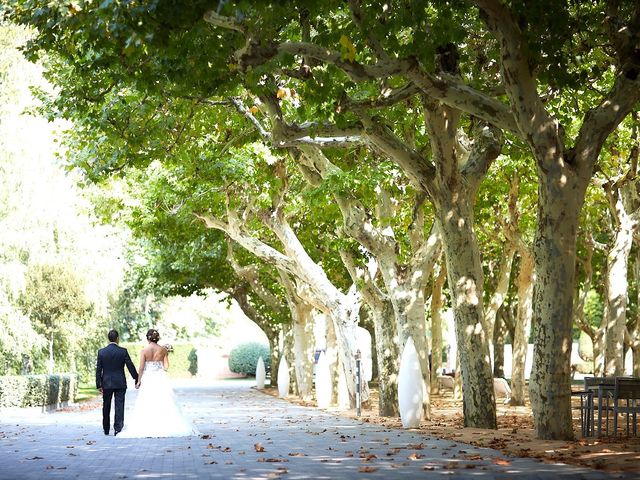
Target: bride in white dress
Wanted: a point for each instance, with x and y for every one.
(156, 412)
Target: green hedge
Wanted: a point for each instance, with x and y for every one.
(244, 358)
(37, 390)
(178, 358)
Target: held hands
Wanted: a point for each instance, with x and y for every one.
(137, 383)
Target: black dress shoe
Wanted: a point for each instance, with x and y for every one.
(116, 433)
(106, 433)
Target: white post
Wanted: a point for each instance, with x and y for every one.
(410, 387)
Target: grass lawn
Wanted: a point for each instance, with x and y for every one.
(86, 391)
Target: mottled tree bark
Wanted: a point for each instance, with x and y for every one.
(522, 328)
(437, 302)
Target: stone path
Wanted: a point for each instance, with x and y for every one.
(249, 435)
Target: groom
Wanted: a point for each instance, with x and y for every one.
(111, 382)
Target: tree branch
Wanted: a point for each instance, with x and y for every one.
(417, 168)
(227, 23)
(255, 246)
(532, 119)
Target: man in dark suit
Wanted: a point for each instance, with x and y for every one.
(111, 382)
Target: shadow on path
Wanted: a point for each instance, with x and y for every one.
(249, 435)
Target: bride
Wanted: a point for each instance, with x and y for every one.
(156, 412)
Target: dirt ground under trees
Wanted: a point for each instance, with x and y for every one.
(514, 436)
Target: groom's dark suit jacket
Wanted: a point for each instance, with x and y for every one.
(110, 367)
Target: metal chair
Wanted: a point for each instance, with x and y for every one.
(586, 412)
(599, 386)
(626, 400)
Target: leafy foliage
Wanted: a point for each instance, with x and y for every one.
(37, 390)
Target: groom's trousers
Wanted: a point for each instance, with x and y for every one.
(118, 395)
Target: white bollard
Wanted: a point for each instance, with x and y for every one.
(283, 378)
(410, 387)
(323, 382)
(261, 374)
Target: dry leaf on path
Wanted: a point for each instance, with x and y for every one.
(367, 469)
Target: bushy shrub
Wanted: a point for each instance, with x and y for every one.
(193, 362)
(37, 390)
(244, 358)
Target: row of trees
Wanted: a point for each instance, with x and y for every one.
(348, 145)
(51, 317)
(62, 274)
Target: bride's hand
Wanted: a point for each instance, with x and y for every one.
(138, 384)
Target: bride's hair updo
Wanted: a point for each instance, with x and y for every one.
(153, 335)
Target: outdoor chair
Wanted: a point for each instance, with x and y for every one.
(626, 401)
(502, 389)
(599, 399)
(586, 412)
(446, 381)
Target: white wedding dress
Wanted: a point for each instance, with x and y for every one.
(156, 412)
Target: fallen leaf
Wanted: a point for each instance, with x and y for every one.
(415, 456)
(367, 469)
(474, 456)
(258, 447)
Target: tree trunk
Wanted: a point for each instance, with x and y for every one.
(499, 334)
(333, 358)
(635, 331)
(303, 346)
(276, 355)
(502, 288)
(437, 302)
(288, 352)
(522, 328)
(410, 315)
(464, 274)
(555, 256)
(404, 283)
(388, 356)
(616, 299)
(342, 309)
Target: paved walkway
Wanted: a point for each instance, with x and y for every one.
(249, 435)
